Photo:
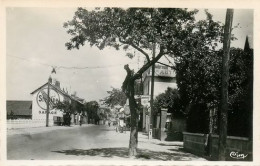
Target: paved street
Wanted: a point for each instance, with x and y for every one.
(85, 143)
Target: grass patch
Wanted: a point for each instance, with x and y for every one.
(145, 156)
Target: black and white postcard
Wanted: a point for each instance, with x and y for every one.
(129, 83)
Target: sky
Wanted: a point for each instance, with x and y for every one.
(35, 41)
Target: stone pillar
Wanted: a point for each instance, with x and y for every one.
(144, 120)
(158, 121)
(163, 134)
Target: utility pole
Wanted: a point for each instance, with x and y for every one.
(48, 102)
(224, 86)
(152, 94)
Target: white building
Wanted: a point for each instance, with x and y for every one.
(39, 103)
(164, 77)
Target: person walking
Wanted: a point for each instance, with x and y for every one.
(80, 120)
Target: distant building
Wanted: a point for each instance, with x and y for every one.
(19, 109)
(39, 102)
(36, 109)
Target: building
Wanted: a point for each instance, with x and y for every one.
(164, 77)
(33, 112)
(39, 103)
(19, 109)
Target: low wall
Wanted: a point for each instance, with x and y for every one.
(27, 123)
(200, 145)
(239, 145)
(194, 143)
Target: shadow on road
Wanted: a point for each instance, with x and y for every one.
(162, 144)
(123, 153)
(110, 129)
(103, 152)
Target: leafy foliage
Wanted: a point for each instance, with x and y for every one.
(134, 27)
(92, 110)
(115, 97)
(66, 108)
(170, 99)
(199, 81)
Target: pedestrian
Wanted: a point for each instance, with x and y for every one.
(81, 120)
(109, 123)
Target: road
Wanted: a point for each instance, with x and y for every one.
(95, 142)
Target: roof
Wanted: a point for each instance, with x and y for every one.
(54, 87)
(77, 99)
(19, 107)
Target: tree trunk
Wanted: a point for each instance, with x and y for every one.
(133, 142)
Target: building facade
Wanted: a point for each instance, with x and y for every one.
(17, 109)
(164, 77)
(56, 94)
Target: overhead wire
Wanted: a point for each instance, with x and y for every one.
(70, 67)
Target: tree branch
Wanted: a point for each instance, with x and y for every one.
(173, 67)
(147, 65)
(137, 48)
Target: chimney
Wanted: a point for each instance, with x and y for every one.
(57, 84)
(50, 79)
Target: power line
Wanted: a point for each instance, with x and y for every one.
(25, 59)
(71, 67)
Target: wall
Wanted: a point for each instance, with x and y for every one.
(39, 105)
(178, 124)
(160, 85)
(24, 123)
(196, 143)
(234, 144)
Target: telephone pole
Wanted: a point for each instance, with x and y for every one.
(224, 86)
(152, 94)
(48, 102)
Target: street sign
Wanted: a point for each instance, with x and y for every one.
(145, 101)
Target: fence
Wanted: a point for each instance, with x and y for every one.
(204, 145)
(27, 123)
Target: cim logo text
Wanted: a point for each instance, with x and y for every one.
(237, 155)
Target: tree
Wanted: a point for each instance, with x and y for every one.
(92, 110)
(170, 99)
(199, 82)
(172, 30)
(66, 108)
(115, 97)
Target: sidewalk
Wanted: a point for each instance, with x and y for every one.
(35, 130)
(155, 149)
(148, 149)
